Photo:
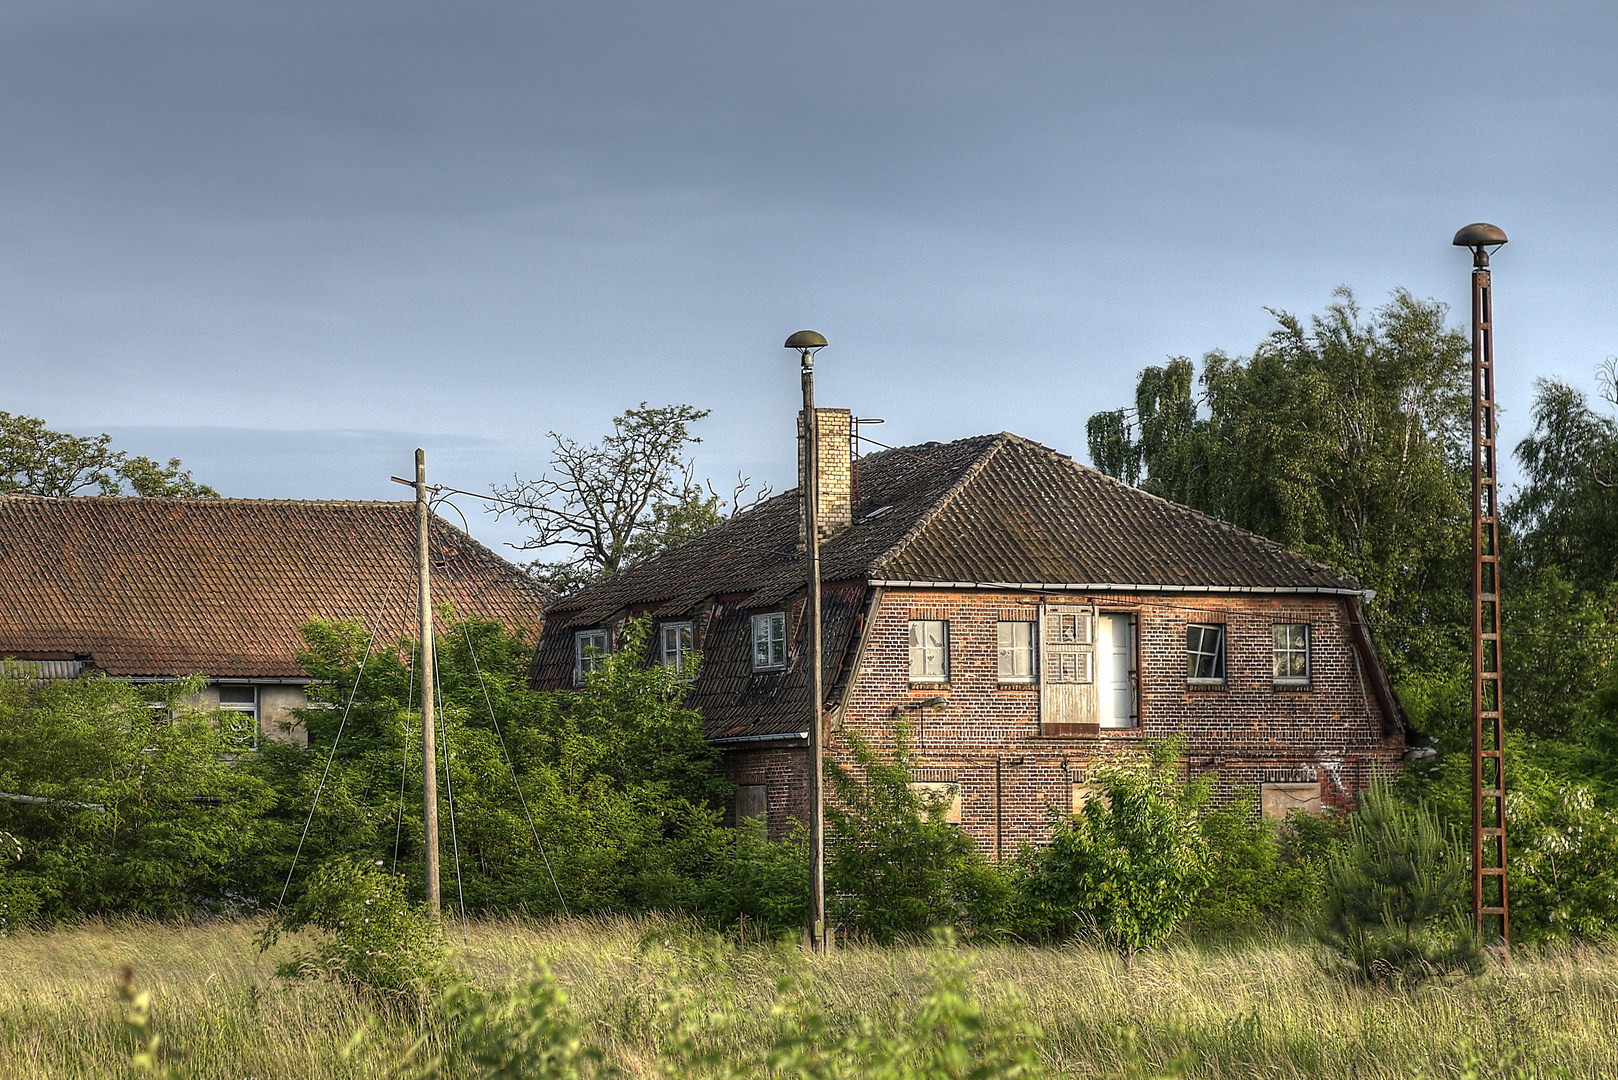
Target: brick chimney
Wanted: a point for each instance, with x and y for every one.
(835, 510)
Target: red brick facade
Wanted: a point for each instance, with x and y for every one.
(988, 739)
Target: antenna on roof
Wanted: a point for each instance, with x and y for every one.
(854, 450)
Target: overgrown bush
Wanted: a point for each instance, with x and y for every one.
(376, 937)
(1259, 870)
(131, 800)
(894, 865)
(1128, 867)
(1398, 894)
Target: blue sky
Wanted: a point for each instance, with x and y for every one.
(290, 242)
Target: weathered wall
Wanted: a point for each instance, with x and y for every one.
(1249, 730)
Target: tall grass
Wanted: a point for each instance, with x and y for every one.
(1257, 1008)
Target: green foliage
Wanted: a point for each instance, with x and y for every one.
(897, 867)
(1258, 870)
(1345, 440)
(617, 779)
(527, 1033)
(1560, 644)
(1398, 894)
(35, 460)
(530, 1032)
(1565, 515)
(1131, 865)
(134, 804)
(376, 937)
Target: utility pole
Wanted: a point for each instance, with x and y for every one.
(1490, 894)
(807, 343)
(429, 752)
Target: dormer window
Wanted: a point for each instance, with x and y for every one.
(770, 641)
(674, 644)
(589, 650)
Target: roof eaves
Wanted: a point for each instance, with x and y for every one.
(1061, 586)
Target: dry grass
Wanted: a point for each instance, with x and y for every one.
(1261, 1008)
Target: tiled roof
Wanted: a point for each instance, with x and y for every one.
(992, 509)
(166, 587)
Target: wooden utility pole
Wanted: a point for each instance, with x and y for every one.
(429, 752)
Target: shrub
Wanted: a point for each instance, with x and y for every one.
(1398, 894)
(1259, 869)
(896, 865)
(377, 939)
(1131, 865)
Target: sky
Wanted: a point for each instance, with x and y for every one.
(290, 242)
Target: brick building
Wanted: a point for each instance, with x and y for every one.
(157, 589)
(1028, 616)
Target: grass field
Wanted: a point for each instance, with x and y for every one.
(1252, 1009)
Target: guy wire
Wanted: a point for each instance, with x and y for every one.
(449, 791)
(470, 651)
(375, 629)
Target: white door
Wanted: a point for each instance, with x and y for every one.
(1115, 663)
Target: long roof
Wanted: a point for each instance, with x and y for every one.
(169, 587)
(991, 509)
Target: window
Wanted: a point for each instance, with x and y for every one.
(929, 650)
(240, 700)
(752, 801)
(1069, 667)
(1016, 651)
(1204, 653)
(589, 647)
(770, 641)
(1291, 652)
(1276, 801)
(676, 644)
(939, 801)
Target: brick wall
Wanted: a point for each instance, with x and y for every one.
(988, 738)
(781, 768)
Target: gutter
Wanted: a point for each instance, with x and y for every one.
(1048, 586)
(40, 800)
(799, 736)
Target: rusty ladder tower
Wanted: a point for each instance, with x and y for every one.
(1490, 892)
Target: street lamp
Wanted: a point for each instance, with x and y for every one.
(1488, 727)
(808, 343)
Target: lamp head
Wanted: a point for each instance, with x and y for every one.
(1483, 239)
(806, 341)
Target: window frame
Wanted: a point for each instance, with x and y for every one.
(582, 664)
(768, 621)
(943, 665)
(1002, 650)
(247, 708)
(1218, 654)
(1277, 651)
(682, 649)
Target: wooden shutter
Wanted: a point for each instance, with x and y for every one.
(1068, 701)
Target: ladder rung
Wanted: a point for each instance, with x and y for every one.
(1493, 832)
(1494, 911)
(1493, 793)
(1488, 753)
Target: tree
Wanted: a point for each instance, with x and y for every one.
(1565, 516)
(35, 460)
(1131, 864)
(1346, 439)
(617, 502)
(896, 864)
(1397, 893)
